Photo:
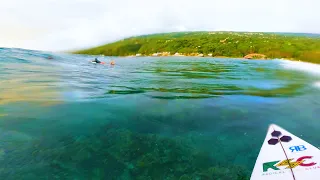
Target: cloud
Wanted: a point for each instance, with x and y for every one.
(63, 25)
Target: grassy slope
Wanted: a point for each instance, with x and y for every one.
(230, 44)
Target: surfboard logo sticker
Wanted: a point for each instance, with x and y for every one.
(298, 148)
(304, 161)
(275, 138)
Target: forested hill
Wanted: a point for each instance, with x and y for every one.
(229, 44)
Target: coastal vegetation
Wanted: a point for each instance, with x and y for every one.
(216, 44)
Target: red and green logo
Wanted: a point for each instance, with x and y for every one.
(276, 165)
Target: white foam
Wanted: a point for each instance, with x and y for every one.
(310, 68)
(301, 66)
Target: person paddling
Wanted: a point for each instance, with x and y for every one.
(96, 61)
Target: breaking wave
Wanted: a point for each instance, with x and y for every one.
(312, 69)
(301, 66)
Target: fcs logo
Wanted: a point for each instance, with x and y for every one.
(275, 165)
(277, 134)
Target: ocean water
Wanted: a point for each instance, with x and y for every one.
(147, 117)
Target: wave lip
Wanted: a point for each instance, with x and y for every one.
(301, 66)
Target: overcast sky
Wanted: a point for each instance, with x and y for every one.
(57, 25)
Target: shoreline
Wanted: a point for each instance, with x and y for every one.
(221, 57)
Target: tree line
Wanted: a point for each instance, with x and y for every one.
(229, 44)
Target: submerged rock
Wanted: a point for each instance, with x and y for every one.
(113, 153)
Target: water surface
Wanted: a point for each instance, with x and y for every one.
(147, 118)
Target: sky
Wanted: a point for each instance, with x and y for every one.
(62, 25)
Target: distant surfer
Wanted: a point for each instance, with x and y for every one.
(112, 62)
(96, 61)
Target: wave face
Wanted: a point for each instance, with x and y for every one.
(148, 117)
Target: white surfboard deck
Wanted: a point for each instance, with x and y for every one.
(272, 162)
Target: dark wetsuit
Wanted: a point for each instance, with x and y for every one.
(96, 60)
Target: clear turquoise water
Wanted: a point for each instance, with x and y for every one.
(147, 118)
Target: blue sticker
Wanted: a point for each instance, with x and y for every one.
(298, 148)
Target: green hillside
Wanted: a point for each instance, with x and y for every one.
(229, 44)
